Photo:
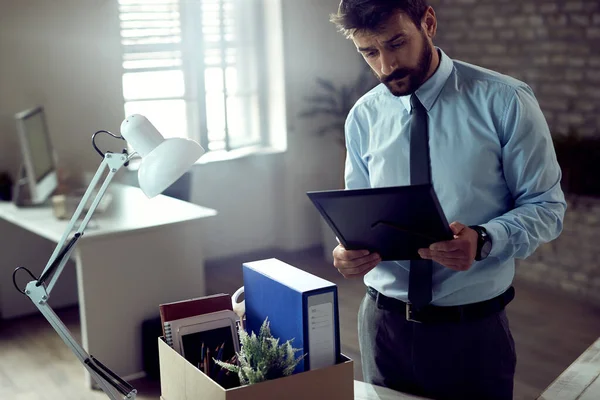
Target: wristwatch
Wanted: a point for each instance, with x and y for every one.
(484, 243)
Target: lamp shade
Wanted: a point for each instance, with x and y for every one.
(163, 160)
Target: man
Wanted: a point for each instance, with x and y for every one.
(494, 170)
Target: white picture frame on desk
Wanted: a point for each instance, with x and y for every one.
(204, 338)
(183, 327)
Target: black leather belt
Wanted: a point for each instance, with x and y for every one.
(430, 313)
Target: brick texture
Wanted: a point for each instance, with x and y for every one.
(571, 263)
(554, 46)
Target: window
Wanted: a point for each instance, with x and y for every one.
(196, 69)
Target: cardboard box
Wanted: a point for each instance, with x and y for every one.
(180, 380)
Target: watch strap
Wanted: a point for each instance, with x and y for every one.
(481, 239)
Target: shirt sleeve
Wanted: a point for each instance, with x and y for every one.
(356, 174)
(533, 177)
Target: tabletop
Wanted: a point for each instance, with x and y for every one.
(130, 210)
(581, 380)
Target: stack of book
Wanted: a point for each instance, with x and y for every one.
(202, 330)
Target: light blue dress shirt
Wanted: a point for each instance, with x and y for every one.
(492, 164)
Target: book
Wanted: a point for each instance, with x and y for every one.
(200, 329)
(298, 306)
(203, 337)
(191, 307)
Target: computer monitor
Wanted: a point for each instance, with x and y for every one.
(38, 171)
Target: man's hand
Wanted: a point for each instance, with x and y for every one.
(457, 254)
(354, 263)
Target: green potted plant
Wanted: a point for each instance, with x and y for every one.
(333, 103)
(262, 358)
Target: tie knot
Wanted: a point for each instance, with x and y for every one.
(414, 102)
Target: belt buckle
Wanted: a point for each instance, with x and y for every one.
(409, 312)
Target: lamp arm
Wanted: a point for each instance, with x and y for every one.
(115, 387)
(61, 253)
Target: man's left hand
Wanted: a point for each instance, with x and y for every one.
(457, 254)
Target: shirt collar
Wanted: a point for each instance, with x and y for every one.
(430, 90)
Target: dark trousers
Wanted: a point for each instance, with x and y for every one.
(458, 360)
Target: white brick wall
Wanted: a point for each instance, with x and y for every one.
(571, 262)
(553, 45)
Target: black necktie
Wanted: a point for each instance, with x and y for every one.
(419, 281)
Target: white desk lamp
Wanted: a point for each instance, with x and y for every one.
(163, 162)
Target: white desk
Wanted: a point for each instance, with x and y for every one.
(137, 254)
(581, 380)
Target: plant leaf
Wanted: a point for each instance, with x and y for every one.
(322, 99)
(230, 367)
(316, 111)
(327, 85)
(348, 101)
(262, 357)
(335, 127)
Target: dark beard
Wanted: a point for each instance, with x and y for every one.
(416, 77)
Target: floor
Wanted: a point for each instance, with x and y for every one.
(550, 330)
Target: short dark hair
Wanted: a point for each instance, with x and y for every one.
(368, 15)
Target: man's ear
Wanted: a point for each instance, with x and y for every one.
(429, 23)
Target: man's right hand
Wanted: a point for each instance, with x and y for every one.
(354, 263)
